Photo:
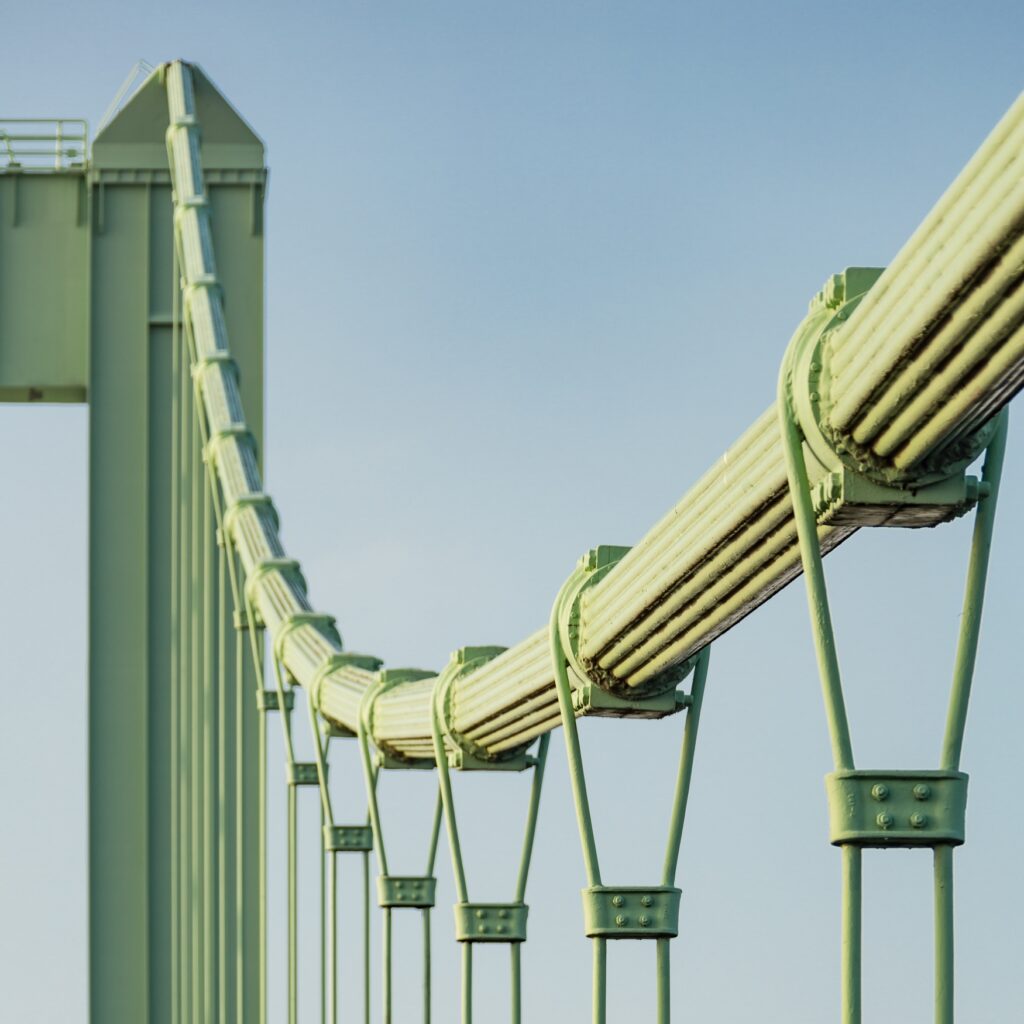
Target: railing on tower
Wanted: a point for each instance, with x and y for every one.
(43, 144)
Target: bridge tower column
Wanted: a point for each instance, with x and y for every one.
(91, 312)
(155, 864)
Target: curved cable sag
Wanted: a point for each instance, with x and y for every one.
(728, 546)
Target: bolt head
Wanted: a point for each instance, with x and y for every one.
(502, 913)
(880, 791)
(620, 919)
(500, 929)
(919, 820)
(645, 921)
(884, 820)
(481, 913)
(922, 791)
(646, 900)
(617, 901)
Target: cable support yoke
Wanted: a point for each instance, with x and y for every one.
(909, 365)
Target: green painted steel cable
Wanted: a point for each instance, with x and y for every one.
(371, 775)
(599, 995)
(447, 800)
(240, 780)
(292, 865)
(814, 575)
(224, 966)
(516, 982)
(185, 751)
(192, 552)
(686, 758)
(216, 506)
(632, 624)
(822, 629)
(199, 714)
(942, 868)
(663, 976)
(228, 560)
(467, 982)
(192, 135)
(974, 598)
(578, 781)
(328, 891)
(435, 833)
(209, 721)
(323, 923)
(256, 658)
(572, 587)
(239, 806)
(366, 938)
(956, 720)
(175, 722)
(328, 885)
(577, 778)
(851, 930)
(831, 681)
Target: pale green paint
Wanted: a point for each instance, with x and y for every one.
(44, 287)
(89, 305)
(881, 809)
(164, 932)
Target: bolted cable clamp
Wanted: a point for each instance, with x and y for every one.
(406, 891)
(348, 838)
(595, 690)
(631, 912)
(303, 773)
(461, 752)
(892, 809)
(856, 487)
(241, 621)
(268, 700)
(490, 922)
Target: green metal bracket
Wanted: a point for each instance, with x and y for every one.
(331, 731)
(240, 621)
(631, 913)
(600, 692)
(396, 890)
(656, 911)
(367, 662)
(490, 922)
(327, 624)
(268, 700)
(890, 809)
(590, 699)
(235, 508)
(302, 773)
(460, 752)
(348, 838)
(899, 501)
(847, 498)
(264, 568)
(337, 839)
(406, 891)
(885, 809)
(482, 922)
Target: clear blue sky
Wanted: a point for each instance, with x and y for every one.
(530, 268)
